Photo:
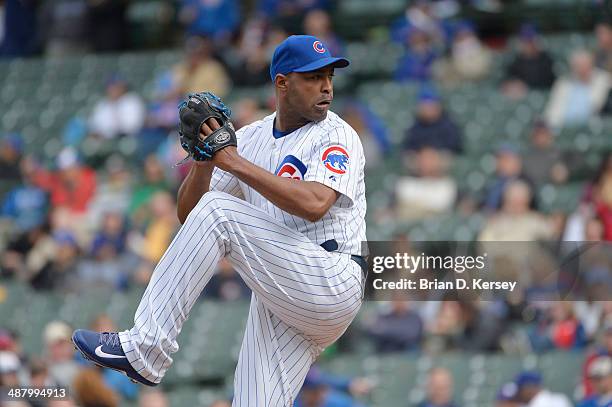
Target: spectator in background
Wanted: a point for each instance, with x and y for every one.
(108, 25)
(543, 161)
(34, 247)
(157, 235)
(55, 266)
(200, 70)
(424, 16)
(371, 130)
(39, 374)
(318, 24)
(532, 393)
(578, 97)
(604, 170)
(226, 285)
(516, 221)
(482, 327)
(114, 192)
(119, 113)
(508, 167)
(603, 52)
(273, 9)
(154, 181)
(10, 342)
(433, 128)
(604, 212)
(44, 261)
(10, 372)
(9, 369)
(276, 35)
(162, 114)
(170, 153)
(162, 228)
(602, 348)
(439, 389)
(152, 398)
(25, 205)
(600, 374)
(559, 329)
(110, 265)
(91, 391)
(323, 390)
(597, 282)
(72, 186)
(11, 152)
(469, 59)
(419, 56)
(249, 60)
(218, 19)
(64, 27)
(429, 191)
(59, 351)
(442, 321)
(506, 396)
(396, 329)
(587, 212)
(597, 200)
(531, 68)
(582, 225)
(20, 28)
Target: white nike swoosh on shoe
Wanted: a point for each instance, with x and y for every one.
(102, 354)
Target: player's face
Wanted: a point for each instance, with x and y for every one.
(311, 93)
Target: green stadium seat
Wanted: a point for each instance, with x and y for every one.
(564, 198)
(13, 296)
(555, 365)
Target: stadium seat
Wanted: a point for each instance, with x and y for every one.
(563, 198)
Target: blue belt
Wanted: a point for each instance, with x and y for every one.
(332, 246)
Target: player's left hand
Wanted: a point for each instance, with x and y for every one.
(205, 128)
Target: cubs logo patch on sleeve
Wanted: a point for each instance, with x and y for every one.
(335, 159)
(291, 167)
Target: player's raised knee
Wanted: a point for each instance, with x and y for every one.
(212, 200)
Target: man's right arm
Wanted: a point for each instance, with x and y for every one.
(196, 184)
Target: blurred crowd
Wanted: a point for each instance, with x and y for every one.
(75, 214)
(77, 221)
(58, 365)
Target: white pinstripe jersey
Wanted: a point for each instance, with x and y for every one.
(328, 152)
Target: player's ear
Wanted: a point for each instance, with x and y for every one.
(281, 82)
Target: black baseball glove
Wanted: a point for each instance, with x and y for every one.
(193, 112)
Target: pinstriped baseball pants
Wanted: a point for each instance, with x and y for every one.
(303, 298)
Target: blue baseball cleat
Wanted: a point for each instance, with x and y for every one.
(104, 349)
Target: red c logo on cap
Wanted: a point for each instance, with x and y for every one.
(318, 46)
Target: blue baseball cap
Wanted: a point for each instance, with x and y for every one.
(428, 94)
(302, 53)
(528, 379)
